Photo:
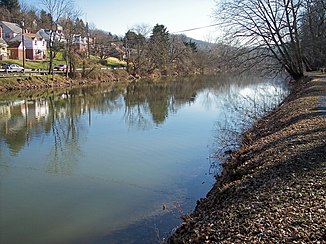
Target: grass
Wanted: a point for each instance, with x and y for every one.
(37, 64)
(114, 62)
(111, 61)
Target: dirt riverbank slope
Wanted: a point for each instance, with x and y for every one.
(273, 189)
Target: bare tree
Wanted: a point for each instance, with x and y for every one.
(265, 29)
(136, 47)
(102, 43)
(142, 29)
(70, 26)
(314, 34)
(181, 54)
(57, 9)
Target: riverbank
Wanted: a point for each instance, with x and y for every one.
(15, 82)
(36, 81)
(273, 189)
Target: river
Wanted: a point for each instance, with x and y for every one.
(107, 164)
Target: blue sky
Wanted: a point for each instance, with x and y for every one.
(118, 17)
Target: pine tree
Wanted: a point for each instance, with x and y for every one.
(45, 20)
(159, 46)
(10, 11)
(11, 5)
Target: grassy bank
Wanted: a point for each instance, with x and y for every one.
(272, 190)
(59, 59)
(29, 82)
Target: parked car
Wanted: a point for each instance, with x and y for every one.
(60, 67)
(13, 68)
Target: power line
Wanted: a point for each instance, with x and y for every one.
(175, 32)
(196, 28)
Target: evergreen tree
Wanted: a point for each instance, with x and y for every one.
(191, 44)
(136, 47)
(11, 5)
(159, 46)
(10, 10)
(31, 20)
(45, 20)
(80, 27)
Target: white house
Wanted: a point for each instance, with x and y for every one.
(48, 34)
(35, 46)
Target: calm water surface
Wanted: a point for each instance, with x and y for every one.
(103, 165)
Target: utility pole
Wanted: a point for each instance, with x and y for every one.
(88, 41)
(127, 52)
(23, 42)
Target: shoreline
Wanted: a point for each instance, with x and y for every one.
(36, 82)
(19, 82)
(273, 188)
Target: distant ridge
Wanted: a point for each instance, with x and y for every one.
(200, 44)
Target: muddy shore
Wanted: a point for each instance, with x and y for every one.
(273, 189)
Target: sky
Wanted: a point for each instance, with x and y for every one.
(118, 17)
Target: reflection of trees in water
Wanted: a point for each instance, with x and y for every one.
(145, 104)
(68, 127)
(66, 130)
(242, 105)
(149, 103)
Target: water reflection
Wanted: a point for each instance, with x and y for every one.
(146, 104)
(98, 160)
(19, 119)
(242, 107)
(66, 111)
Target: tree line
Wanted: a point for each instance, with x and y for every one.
(145, 49)
(273, 35)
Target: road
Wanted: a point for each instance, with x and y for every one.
(4, 74)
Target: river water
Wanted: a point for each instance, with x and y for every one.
(109, 164)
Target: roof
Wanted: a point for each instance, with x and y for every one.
(12, 26)
(14, 44)
(27, 36)
(33, 36)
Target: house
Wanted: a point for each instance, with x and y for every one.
(3, 47)
(48, 34)
(116, 51)
(9, 30)
(15, 50)
(35, 46)
(80, 43)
